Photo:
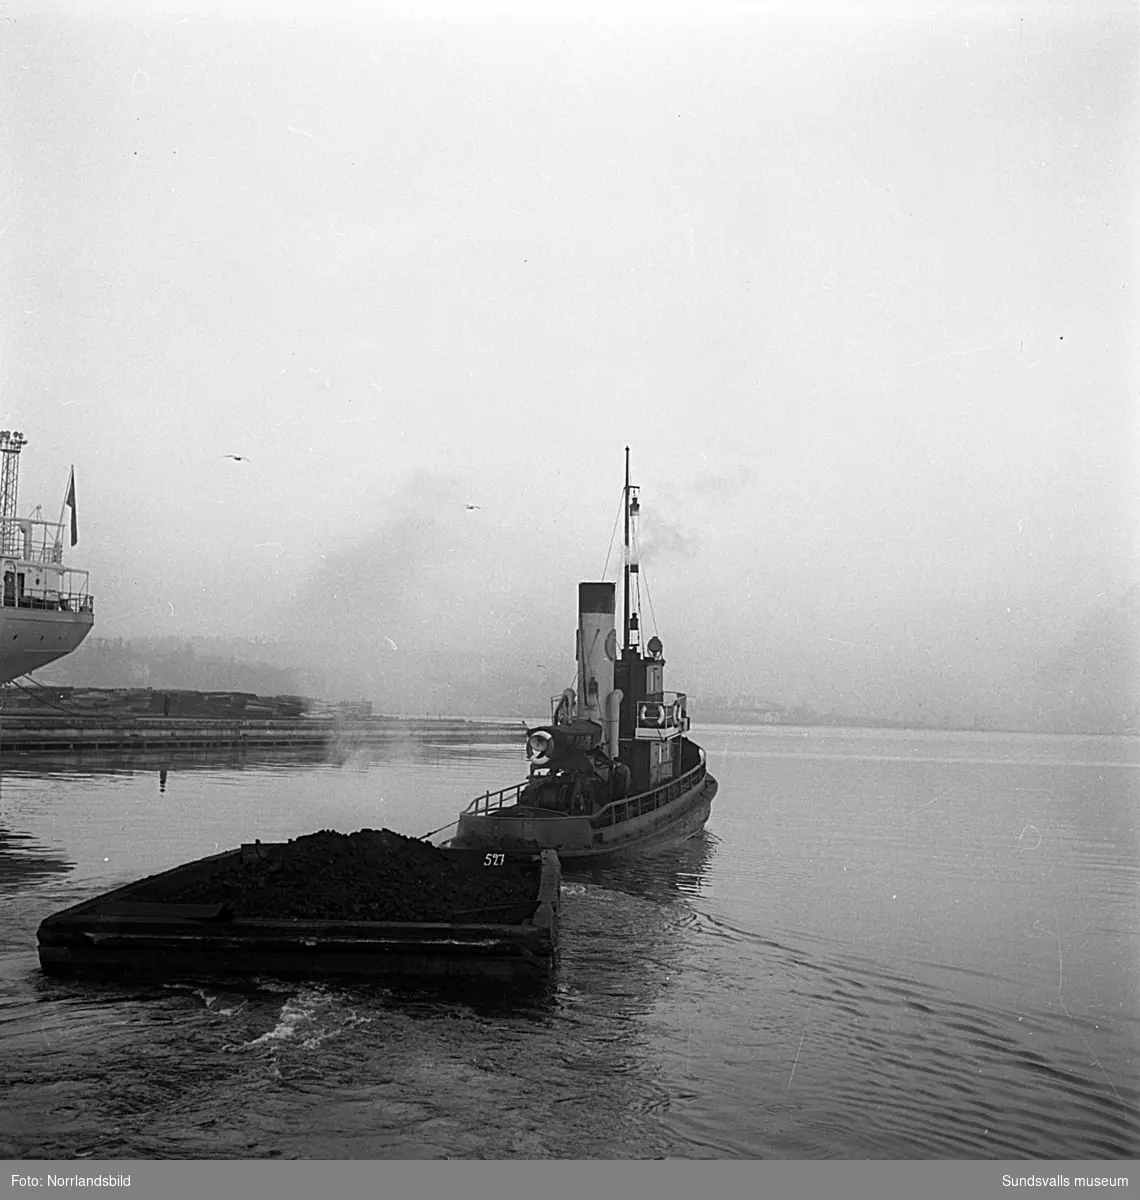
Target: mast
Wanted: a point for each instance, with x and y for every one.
(632, 577)
(10, 446)
(625, 598)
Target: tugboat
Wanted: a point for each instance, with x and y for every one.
(614, 773)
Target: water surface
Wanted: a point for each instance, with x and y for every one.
(887, 944)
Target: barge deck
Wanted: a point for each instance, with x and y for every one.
(134, 932)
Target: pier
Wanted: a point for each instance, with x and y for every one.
(77, 721)
(69, 735)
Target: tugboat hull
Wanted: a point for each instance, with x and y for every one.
(591, 839)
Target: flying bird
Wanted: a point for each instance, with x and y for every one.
(236, 457)
(471, 506)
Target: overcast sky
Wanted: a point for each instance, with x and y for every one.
(856, 283)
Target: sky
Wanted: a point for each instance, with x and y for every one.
(855, 283)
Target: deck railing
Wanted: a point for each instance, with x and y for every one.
(491, 801)
(32, 539)
(76, 602)
(615, 812)
(658, 797)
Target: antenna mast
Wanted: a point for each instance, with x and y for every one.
(10, 446)
(625, 597)
(632, 617)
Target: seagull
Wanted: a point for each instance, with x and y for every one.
(236, 457)
(472, 506)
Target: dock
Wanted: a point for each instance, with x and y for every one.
(70, 735)
(50, 736)
(78, 721)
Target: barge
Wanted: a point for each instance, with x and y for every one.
(614, 774)
(490, 917)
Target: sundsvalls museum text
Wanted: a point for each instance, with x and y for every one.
(1047, 1181)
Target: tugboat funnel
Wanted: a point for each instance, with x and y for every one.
(597, 648)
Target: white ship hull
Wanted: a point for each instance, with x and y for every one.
(31, 638)
(46, 607)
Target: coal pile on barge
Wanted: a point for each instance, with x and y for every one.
(371, 875)
(372, 904)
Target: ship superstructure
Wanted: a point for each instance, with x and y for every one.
(46, 607)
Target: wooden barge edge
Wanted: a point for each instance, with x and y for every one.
(111, 935)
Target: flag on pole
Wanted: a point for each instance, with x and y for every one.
(70, 502)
